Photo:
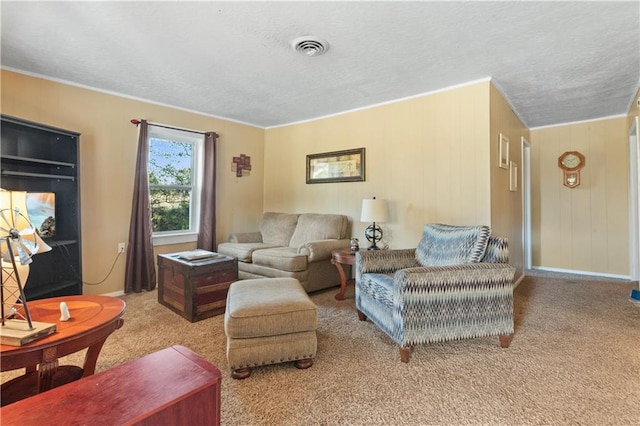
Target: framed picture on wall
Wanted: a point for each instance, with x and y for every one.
(337, 166)
(513, 176)
(503, 152)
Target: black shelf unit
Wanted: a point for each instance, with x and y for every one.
(40, 158)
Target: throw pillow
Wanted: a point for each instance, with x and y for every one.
(444, 245)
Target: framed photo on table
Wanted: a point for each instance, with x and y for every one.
(336, 166)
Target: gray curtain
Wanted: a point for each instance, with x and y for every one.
(207, 235)
(140, 273)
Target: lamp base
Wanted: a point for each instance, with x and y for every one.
(373, 234)
(17, 333)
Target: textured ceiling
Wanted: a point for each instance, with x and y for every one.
(556, 62)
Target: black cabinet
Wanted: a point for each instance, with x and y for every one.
(44, 160)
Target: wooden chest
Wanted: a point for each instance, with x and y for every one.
(195, 289)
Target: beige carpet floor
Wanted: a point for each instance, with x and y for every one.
(574, 360)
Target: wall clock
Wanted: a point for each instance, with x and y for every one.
(571, 162)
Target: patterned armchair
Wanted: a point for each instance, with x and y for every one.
(456, 284)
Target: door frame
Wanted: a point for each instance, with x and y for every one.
(634, 199)
(526, 202)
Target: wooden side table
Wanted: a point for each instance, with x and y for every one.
(343, 257)
(93, 319)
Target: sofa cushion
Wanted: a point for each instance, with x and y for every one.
(243, 251)
(314, 227)
(380, 287)
(277, 228)
(443, 245)
(283, 258)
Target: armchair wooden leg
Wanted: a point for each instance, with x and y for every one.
(361, 316)
(505, 340)
(405, 353)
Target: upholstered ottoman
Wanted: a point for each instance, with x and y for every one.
(268, 321)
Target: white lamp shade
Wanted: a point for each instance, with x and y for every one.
(14, 216)
(10, 202)
(374, 210)
(9, 282)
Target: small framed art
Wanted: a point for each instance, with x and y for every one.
(503, 152)
(513, 176)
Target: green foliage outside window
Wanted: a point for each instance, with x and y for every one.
(170, 175)
(169, 210)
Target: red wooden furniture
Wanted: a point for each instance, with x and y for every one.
(174, 386)
(93, 319)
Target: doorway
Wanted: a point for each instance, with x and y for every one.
(526, 203)
(634, 200)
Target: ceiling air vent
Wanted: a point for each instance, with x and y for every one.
(310, 46)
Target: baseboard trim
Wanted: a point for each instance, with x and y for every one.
(590, 273)
(518, 281)
(115, 294)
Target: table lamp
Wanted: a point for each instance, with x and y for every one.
(19, 241)
(373, 210)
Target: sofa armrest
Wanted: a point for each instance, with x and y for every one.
(245, 237)
(455, 278)
(320, 250)
(385, 261)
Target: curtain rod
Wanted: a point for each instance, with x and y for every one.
(137, 122)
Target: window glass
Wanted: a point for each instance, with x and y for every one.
(174, 167)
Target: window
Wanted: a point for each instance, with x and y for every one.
(175, 167)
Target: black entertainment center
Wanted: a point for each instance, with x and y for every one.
(44, 160)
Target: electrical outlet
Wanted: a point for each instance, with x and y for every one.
(121, 247)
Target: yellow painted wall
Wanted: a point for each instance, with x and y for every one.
(108, 144)
(584, 228)
(429, 157)
(433, 158)
(506, 205)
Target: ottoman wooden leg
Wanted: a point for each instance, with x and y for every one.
(304, 363)
(241, 373)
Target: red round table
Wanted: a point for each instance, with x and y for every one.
(93, 319)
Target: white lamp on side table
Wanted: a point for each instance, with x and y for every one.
(374, 210)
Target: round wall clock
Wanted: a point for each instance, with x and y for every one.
(571, 162)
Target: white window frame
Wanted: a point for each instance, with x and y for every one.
(197, 142)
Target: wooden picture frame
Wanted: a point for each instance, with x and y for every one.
(513, 176)
(336, 166)
(503, 152)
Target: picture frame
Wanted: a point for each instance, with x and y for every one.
(336, 166)
(503, 152)
(513, 176)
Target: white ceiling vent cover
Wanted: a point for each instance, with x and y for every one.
(310, 46)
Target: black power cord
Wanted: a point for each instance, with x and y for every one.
(65, 253)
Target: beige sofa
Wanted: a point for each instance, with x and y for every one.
(291, 245)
